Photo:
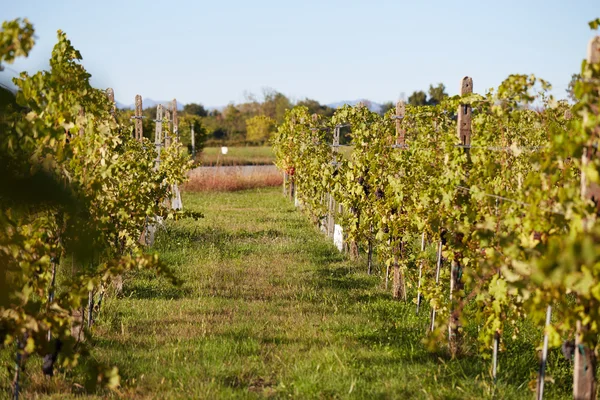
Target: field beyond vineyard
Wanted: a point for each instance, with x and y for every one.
(240, 155)
(269, 308)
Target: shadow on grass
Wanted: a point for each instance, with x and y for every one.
(164, 291)
(400, 331)
(176, 237)
(340, 278)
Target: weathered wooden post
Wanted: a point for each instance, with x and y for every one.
(464, 114)
(110, 94)
(456, 284)
(167, 137)
(292, 171)
(158, 139)
(176, 203)
(330, 198)
(438, 267)
(139, 134)
(420, 273)
(90, 319)
(193, 141)
(322, 222)
(400, 131)
(149, 233)
(398, 284)
(495, 349)
(584, 373)
(542, 372)
(175, 120)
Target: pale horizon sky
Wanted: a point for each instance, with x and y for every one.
(215, 52)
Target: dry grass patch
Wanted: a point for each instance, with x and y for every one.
(238, 155)
(229, 179)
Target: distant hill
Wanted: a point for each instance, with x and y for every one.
(375, 107)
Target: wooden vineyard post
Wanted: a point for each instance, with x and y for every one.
(315, 138)
(138, 118)
(158, 133)
(398, 284)
(150, 232)
(584, 369)
(330, 199)
(167, 137)
(495, 349)
(438, 267)
(286, 176)
(176, 203)
(542, 371)
(420, 273)
(456, 284)
(400, 132)
(175, 120)
(292, 171)
(370, 251)
(464, 114)
(193, 141)
(110, 94)
(292, 185)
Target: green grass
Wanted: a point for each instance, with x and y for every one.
(269, 308)
(247, 155)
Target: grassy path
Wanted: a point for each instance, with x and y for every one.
(270, 308)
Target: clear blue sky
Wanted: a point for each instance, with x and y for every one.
(213, 52)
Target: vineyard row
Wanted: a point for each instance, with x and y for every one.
(484, 206)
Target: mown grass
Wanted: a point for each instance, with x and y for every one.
(242, 155)
(269, 308)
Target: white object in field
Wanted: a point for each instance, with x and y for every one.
(176, 200)
(150, 234)
(224, 150)
(338, 237)
(296, 201)
(151, 230)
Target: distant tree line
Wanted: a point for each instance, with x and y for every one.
(254, 120)
(420, 98)
(250, 122)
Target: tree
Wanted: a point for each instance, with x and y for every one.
(275, 105)
(314, 107)
(233, 122)
(195, 109)
(185, 129)
(218, 133)
(259, 128)
(418, 98)
(385, 107)
(437, 94)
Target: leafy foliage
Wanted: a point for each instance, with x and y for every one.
(16, 39)
(259, 128)
(508, 208)
(76, 186)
